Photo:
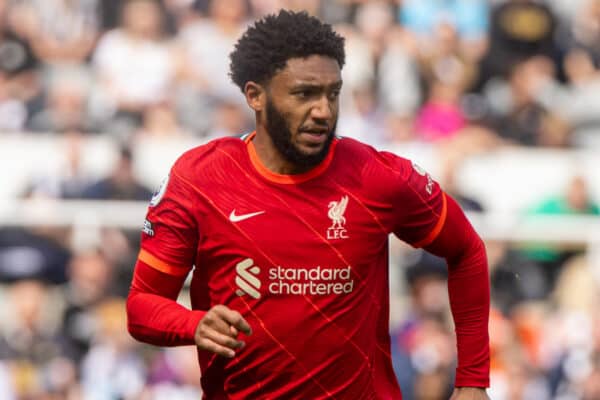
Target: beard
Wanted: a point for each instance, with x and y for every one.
(281, 136)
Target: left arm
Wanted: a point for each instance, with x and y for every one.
(469, 292)
(427, 217)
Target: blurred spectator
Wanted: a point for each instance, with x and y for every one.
(578, 101)
(66, 105)
(207, 42)
(13, 112)
(113, 368)
(229, 119)
(121, 184)
(260, 8)
(567, 10)
(365, 119)
(16, 55)
(399, 86)
(418, 362)
(179, 13)
(360, 70)
(515, 278)
(160, 121)
(29, 336)
(520, 29)
(176, 370)
(374, 19)
(32, 254)
(585, 29)
(445, 61)
(89, 278)
(109, 11)
(134, 64)
(70, 181)
(576, 289)
(448, 180)
(591, 384)
(468, 18)
(65, 31)
(574, 201)
(20, 88)
(448, 73)
(399, 128)
(517, 115)
(441, 117)
(117, 246)
(581, 105)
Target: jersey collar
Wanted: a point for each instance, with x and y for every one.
(282, 178)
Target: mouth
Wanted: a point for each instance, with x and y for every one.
(315, 135)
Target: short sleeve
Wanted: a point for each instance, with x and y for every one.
(420, 206)
(170, 231)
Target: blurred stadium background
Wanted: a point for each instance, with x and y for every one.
(498, 100)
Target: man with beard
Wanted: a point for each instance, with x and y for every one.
(286, 232)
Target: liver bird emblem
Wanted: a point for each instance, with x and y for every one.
(336, 212)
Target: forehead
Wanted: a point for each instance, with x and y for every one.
(314, 70)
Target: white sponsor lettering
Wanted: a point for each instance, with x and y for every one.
(313, 274)
(315, 281)
(312, 288)
(148, 229)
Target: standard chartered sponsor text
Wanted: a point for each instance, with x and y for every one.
(311, 281)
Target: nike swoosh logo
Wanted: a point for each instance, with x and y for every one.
(237, 218)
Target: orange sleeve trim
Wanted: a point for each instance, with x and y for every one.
(160, 265)
(288, 179)
(437, 228)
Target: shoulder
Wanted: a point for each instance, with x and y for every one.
(382, 174)
(370, 161)
(209, 156)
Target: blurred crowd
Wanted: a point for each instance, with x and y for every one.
(500, 72)
(464, 76)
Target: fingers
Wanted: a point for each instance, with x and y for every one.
(218, 343)
(218, 330)
(234, 318)
(234, 331)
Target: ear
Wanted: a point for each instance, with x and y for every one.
(255, 95)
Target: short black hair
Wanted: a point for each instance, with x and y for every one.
(267, 45)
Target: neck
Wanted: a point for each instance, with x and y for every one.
(270, 157)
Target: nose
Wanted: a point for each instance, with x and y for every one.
(322, 109)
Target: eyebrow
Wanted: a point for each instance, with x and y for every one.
(309, 85)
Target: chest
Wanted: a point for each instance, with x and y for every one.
(313, 224)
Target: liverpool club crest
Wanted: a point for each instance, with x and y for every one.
(337, 230)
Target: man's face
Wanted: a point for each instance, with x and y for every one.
(302, 109)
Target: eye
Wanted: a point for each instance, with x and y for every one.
(304, 93)
(334, 94)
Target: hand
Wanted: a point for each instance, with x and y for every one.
(218, 330)
(469, 393)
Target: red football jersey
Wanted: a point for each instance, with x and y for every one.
(304, 258)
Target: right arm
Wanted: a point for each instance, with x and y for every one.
(168, 248)
(154, 316)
